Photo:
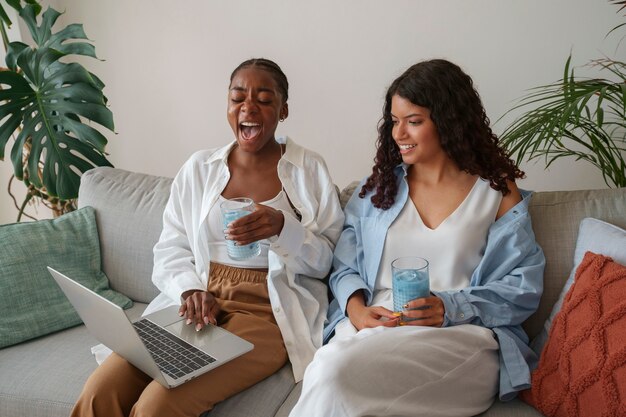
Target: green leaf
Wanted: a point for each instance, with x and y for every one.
(58, 106)
(14, 51)
(16, 4)
(5, 17)
(566, 74)
(574, 117)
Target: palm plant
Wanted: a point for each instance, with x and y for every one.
(575, 117)
(50, 105)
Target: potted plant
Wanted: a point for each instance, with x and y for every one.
(50, 105)
(580, 117)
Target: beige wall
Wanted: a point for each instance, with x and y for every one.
(166, 66)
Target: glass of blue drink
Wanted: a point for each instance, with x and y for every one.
(232, 210)
(409, 280)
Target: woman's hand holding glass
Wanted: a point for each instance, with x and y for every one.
(264, 222)
(427, 311)
(362, 316)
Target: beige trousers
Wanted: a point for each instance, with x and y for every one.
(118, 389)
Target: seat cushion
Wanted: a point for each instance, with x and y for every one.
(260, 400)
(514, 408)
(44, 376)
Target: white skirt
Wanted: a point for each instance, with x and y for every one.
(402, 371)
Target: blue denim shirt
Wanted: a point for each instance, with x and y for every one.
(504, 289)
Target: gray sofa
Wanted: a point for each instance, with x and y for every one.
(44, 376)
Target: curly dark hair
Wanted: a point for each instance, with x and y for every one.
(462, 124)
(270, 66)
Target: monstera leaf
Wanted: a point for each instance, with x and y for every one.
(52, 104)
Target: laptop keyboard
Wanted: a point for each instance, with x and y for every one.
(173, 355)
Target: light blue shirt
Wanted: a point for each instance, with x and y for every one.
(503, 292)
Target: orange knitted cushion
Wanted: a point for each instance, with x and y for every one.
(582, 369)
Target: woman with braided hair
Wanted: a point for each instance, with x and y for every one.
(275, 300)
(442, 188)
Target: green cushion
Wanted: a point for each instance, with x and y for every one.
(31, 303)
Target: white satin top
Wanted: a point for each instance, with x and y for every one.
(453, 249)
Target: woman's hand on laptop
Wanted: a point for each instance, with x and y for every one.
(199, 307)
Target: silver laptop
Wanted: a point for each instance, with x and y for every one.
(160, 344)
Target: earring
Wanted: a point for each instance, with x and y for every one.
(282, 119)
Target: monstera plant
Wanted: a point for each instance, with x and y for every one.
(584, 118)
(49, 106)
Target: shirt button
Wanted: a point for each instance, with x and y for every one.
(461, 316)
(288, 343)
(277, 310)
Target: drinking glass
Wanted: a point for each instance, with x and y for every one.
(232, 210)
(409, 280)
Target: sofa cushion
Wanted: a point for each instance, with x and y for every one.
(31, 303)
(262, 399)
(582, 371)
(129, 213)
(595, 236)
(556, 216)
(43, 377)
(513, 408)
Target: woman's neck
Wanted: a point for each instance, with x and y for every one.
(268, 155)
(434, 173)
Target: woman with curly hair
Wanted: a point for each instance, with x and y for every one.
(442, 188)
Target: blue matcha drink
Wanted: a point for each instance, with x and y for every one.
(409, 281)
(232, 210)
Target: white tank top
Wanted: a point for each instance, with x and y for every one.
(217, 241)
(453, 249)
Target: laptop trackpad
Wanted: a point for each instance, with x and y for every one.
(205, 338)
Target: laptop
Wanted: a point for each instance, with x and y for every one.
(160, 344)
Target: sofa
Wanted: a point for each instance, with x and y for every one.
(43, 377)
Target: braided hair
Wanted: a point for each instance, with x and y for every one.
(270, 66)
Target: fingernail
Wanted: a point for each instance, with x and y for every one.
(206, 320)
(188, 321)
(198, 327)
(180, 313)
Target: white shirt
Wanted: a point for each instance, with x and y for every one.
(302, 251)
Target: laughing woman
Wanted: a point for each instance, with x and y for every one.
(442, 188)
(275, 300)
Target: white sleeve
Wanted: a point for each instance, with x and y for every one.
(174, 262)
(307, 248)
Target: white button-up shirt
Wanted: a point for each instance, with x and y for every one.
(297, 260)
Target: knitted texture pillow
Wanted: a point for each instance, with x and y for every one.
(582, 370)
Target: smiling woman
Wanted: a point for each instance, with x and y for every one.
(296, 222)
(443, 189)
